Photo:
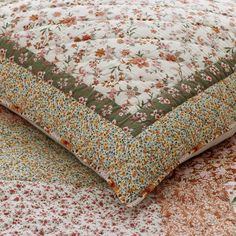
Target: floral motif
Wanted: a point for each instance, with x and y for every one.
(129, 91)
(73, 125)
(44, 190)
(127, 63)
(192, 205)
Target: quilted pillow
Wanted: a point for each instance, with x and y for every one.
(130, 87)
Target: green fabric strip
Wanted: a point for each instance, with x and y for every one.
(168, 99)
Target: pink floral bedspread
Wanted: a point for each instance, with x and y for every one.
(44, 190)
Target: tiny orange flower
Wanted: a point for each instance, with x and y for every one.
(100, 13)
(77, 39)
(125, 52)
(69, 21)
(140, 62)
(100, 52)
(86, 37)
(34, 17)
(170, 57)
(57, 14)
(216, 29)
(159, 85)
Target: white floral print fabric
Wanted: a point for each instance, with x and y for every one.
(129, 87)
(126, 50)
(44, 190)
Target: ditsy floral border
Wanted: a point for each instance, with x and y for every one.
(192, 199)
(134, 152)
(132, 166)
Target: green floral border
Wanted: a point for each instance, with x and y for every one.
(132, 123)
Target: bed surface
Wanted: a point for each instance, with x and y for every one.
(131, 88)
(45, 190)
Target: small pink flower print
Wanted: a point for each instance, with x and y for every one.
(125, 52)
(126, 129)
(140, 116)
(164, 100)
(140, 62)
(157, 114)
(93, 107)
(106, 110)
(171, 57)
(205, 175)
(86, 37)
(220, 171)
(173, 91)
(225, 66)
(130, 93)
(114, 122)
(69, 21)
(3, 52)
(214, 70)
(208, 78)
(186, 88)
(57, 14)
(112, 93)
(82, 100)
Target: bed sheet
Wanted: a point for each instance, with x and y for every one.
(45, 190)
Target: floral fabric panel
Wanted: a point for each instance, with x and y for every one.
(130, 61)
(129, 87)
(129, 165)
(45, 190)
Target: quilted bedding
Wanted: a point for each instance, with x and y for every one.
(131, 88)
(44, 190)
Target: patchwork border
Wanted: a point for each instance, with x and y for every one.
(132, 166)
(168, 99)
